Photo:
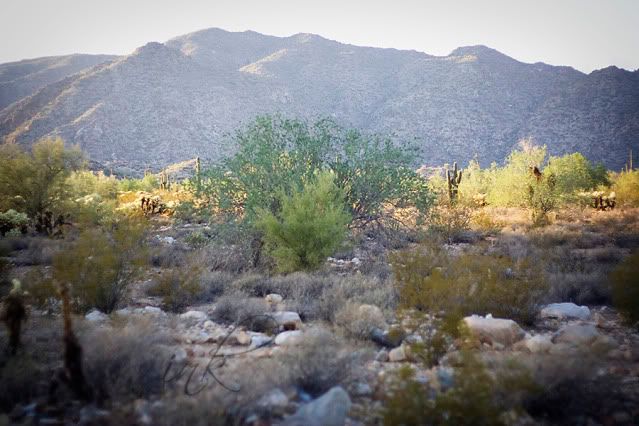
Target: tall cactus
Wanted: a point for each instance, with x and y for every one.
(165, 183)
(198, 177)
(453, 177)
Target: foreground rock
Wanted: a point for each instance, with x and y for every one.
(329, 409)
(565, 311)
(576, 334)
(494, 330)
(288, 320)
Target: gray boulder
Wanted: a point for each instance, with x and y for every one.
(329, 409)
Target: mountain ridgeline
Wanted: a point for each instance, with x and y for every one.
(168, 102)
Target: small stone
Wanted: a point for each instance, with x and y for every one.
(287, 319)
(258, 340)
(329, 409)
(490, 330)
(397, 355)
(382, 355)
(194, 315)
(275, 400)
(96, 316)
(289, 338)
(153, 310)
(273, 298)
(576, 334)
(565, 311)
(540, 343)
(362, 389)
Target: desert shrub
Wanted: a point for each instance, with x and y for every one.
(100, 265)
(360, 320)
(574, 173)
(12, 220)
(432, 280)
(450, 223)
(509, 184)
(252, 284)
(625, 288)
(484, 222)
(320, 362)
(127, 362)
(147, 184)
(178, 288)
(476, 397)
(233, 247)
(542, 197)
(84, 182)
(309, 227)
(626, 187)
(234, 308)
(35, 182)
(168, 256)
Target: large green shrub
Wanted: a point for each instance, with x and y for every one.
(626, 186)
(12, 220)
(310, 224)
(275, 154)
(34, 182)
(100, 265)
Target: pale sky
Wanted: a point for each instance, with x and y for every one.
(584, 34)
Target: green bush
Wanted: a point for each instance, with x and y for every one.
(626, 187)
(35, 182)
(276, 154)
(431, 280)
(625, 288)
(542, 197)
(310, 225)
(12, 220)
(100, 265)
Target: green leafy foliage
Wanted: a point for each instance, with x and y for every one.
(12, 220)
(626, 186)
(100, 264)
(309, 226)
(276, 154)
(35, 182)
(542, 197)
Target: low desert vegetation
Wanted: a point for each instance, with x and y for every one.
(376, 256)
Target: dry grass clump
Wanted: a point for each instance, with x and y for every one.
(360, 320)
(235, 308)
(125, 362)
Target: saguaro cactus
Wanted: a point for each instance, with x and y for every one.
(198, 177)
(453, 177)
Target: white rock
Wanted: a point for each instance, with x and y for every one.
(356, 261)
(494, 330)
(180, 354)
(152, 310)
(275, 400)
(287, 319)
(329, 409)
(258, 340)
(289, 338)
(194, 315)
(96, 316)
(540, 343)
(565, 311)
(273, 298)
(576, 334)
(397, 355)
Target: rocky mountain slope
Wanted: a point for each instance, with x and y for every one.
(23, 78)
(169, 102)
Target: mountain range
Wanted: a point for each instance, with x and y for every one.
(168, 102)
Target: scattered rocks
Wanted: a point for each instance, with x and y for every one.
(275, 401)
(565, 311)
(273, 299)
(382, 355)
(329, 409)
(152, 310)
(388, 338)
(494, 330)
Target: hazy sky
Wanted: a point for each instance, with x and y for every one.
(585, 34)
